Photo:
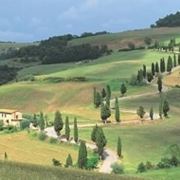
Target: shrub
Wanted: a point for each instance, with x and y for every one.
(24, 124)
(53, 140)
(56, 162)
(131, 45)
(117, 168)
(149, 165)
(92, 162)
(34, 134)
(10, 129)
(141, 168)
(1, 125)
(42, 136)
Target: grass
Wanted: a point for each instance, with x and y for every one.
(14, 171)
(21, 147)
(173, 79)
(118, 40)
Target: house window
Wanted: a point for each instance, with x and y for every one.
(7, 121)
(16, 116)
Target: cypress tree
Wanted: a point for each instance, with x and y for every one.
(76, 136)
(103, 93)
(151, 113)
(93, 133)
(157, 67)
(123, 89)
(144, 71)
(58, 123)
(166, 108)
(117, 113)
(140, 76)
(159, 83)
(108, 101)
(119, 147)
(98, 100)
(175, 62)
(82, 155)
(149, 76)
(69, 161)
(169, 64)
(141, 112)
(161, 107)
(153, 69)
(41, 122)
(100, 141)
(163, 65)
(94, 96)
(108, 90)
(67, 128)
(5, 156)
(105, 112)
(178, 59)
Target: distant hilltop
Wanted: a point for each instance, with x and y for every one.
(172, 20)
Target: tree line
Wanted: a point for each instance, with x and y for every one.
(57, 50)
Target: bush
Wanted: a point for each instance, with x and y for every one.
(117, 168)
(42, 136)
(149, 165)
(24, 124)
(1, 125)
(10, 129)
(141, 168)
(168, 162)
(34, 134)
(131, 45)
(53, 140)
(92, 162)
(56, 162)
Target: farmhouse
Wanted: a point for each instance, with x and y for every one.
(10, 117)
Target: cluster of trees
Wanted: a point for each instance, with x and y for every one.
(7, 74)
(164, 108)
(156, 68)
(102, 100)
(57, 50)
(172, 20)
(88, 34)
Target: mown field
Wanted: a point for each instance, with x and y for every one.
(23, 147)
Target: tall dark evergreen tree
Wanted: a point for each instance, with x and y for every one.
(162, 65)
(93, 133)
(94, 96)
(157, 67)
(153, 69)
(108, 91)
(41, 122)
(144, 71)
(117, 112)
(141, 112)
(82, 155)
(151, 113)
(123, 89)
(178, 59)
(103, 93)
(69, 161)
(58, 123)
(98, 100)
(175, 61)
(149, 76)
(159, 83)
(140, 76)
(161, 106)
(67, 128)
(119, 147)
(76, 136)
(169, 64)
(166, 108)
(105, 112)
(100, 141)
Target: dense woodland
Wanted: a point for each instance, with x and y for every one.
(172, 20)
(7, 74)
(57, 50)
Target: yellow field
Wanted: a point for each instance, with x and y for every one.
(21, 147)
(173, 79)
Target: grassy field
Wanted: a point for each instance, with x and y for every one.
(22, 147)
(146, 142)
(119, 40)
(173, 79)
(14, 171)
